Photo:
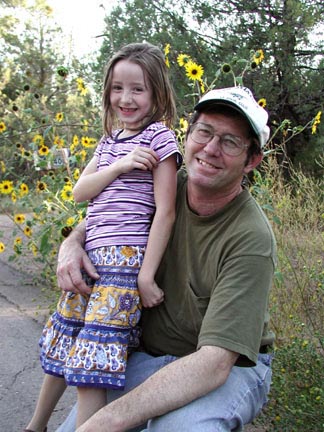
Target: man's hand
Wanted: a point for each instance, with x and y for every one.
(71, 259)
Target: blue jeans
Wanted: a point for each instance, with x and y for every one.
(228, 408)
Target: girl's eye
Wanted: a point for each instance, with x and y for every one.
(116, 87)
(138, 90)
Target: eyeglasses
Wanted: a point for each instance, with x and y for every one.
(231, 145)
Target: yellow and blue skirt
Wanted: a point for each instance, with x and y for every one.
(88, 338)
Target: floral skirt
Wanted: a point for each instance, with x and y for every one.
(87, 339)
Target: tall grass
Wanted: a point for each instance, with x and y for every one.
(297, 213)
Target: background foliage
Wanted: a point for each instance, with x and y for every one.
(50, 121)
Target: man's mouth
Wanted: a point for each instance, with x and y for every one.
(207, 164)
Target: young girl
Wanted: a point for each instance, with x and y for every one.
(131, 185)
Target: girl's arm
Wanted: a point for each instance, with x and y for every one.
(165, 189)
(92, 182)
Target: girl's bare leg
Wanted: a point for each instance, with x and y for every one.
(51, 391)
(90, 400)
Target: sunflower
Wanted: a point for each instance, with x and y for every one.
(2, 247)
(226, 68)
(85, 126)
(19, 218)
(2, 167)
(3, 127)
(66, 193)
(183, 124)
(38, 139)
(72, 149)
(62, 71)
(27, 231)
(75, 140)
(83, 155)
(316, 122)
(59, 117)
(34, 249)
(88, 142)
(258, 56)
(43, 150)
(262, 102)
(183, 59)
(6, 187)
(70, 221)
(17, 241)
(167, 49)
(59, 142)
(23, 190)
(65, 231)
(81, 87)
(194, 71)
(76, 174)
(166, 52)
(41, 186)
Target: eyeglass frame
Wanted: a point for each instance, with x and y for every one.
(242, 146)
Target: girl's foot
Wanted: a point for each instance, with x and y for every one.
(29, 430)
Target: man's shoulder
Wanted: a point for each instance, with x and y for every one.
(252, 222)
(248, 204)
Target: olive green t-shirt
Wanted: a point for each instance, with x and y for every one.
(216, 274)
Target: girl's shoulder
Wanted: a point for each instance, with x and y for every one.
(158, 129)
(156, 126)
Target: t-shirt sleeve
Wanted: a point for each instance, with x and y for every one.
(99, 147)
(164, 143)
(234, 318)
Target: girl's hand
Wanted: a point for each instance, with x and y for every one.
(151, 294)
(140, 158)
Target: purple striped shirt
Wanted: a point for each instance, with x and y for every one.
(122, 213)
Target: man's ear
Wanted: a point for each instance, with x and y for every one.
(253, 162)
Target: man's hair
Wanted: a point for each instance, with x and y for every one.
(151, 59)
(254, 147)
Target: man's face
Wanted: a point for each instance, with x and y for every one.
(208, 167)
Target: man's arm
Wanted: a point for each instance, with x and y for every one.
(172, 387)
(71, 259)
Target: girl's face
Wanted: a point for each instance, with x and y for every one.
(131, 95)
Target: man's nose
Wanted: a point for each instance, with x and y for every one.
(213, 147)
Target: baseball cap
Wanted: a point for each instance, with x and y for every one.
(240, 98)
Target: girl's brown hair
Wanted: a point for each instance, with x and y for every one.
(151, 59)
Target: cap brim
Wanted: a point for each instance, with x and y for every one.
(214, 102)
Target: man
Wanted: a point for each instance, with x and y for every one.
(203, 364)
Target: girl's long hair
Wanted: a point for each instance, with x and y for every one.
(151, 59)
